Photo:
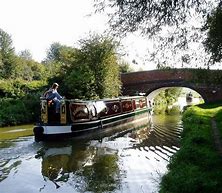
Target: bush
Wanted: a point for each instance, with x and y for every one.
(19, 111)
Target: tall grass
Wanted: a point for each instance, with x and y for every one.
(197, 166)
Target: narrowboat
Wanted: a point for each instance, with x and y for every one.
(79, 117)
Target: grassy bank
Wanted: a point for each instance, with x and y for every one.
(197, 166)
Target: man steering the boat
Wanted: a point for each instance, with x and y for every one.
(52, 94)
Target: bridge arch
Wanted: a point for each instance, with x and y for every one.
(149, 81)
(154, 93)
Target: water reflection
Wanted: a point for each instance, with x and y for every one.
(6, 144)
(164, 137)
(103, 174)
(96, 168)
(131, 160)
(6, 166)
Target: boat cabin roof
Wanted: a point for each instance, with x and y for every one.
(105, 99)
(100, 100)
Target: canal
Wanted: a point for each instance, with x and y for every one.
(131, 161)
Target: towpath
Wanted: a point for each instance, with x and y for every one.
(217, 136)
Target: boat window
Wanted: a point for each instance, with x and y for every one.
(79, 112)
(127, 105)
(143, 103)
(115, 108)
(110, 108)
(140, 103)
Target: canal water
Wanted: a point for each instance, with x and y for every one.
(131, 161)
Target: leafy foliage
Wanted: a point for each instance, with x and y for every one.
(165, 99)
(213, 42)
(19, 88)
(125, 67)
(95, 71)
(53, 53)
(58, 60)
(14, 67)
(172, 26)
(6, 54)
(19, 111)
(21, 80)
(149, 16)
(89, 72)
(6, 44)
(60, 54)
(25, 54)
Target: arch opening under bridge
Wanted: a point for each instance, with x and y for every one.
(149, 81)
(183, 97)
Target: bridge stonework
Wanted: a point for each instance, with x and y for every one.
(149, 81)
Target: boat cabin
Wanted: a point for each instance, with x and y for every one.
(72, 111)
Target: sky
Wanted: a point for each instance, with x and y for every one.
(35, 24)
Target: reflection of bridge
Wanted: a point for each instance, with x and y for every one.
(202, 81)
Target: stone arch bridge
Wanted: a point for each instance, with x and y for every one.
(208, 83)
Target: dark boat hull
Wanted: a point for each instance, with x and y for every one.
(90, 129)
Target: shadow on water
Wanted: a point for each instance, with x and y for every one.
(132, 160)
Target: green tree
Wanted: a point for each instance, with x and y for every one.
(165, 99)
(53, 52)
(58, 59)
(150, 16)
(173, 26)
(95, 71)
(26, 54)
(60, 53)
(6, 54)
(125, 67)
(1, 66)
(6, 44)
(213, 42)
(28, 69)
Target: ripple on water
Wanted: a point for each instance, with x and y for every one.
(131, 161)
